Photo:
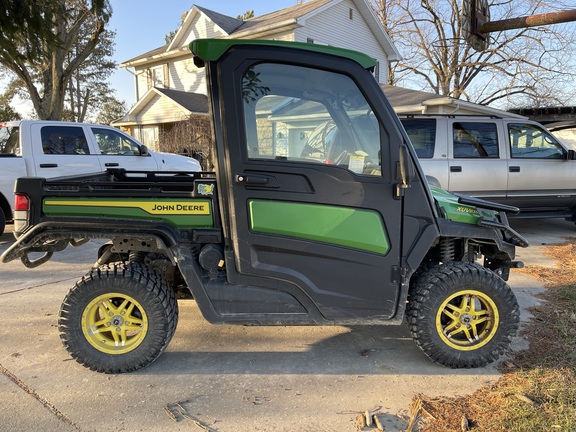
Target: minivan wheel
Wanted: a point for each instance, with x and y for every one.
(462, 315)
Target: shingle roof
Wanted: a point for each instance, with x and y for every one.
(225, 22)
(399, 96)
(292, 12)
(150, 53)
(193, 102)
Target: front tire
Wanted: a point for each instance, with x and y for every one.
(462, 315)
(118, 318)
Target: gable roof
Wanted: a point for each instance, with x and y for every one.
(261, 26)
(225, 22)
(193, 102)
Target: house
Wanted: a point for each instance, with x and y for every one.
(169, 88)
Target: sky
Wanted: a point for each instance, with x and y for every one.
(141, 25)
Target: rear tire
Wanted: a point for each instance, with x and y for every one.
(462, 315)
(118, 318)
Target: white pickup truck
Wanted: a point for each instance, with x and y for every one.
(41, 148)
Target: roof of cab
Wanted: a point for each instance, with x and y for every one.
(213, 49)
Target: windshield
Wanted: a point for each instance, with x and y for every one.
(9, 142)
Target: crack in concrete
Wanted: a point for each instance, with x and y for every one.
(38, 286)
(46, 403)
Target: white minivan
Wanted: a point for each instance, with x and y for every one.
(43, 148)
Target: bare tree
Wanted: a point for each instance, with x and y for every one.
(45, 63)
(191, 137)
(88, 88)
(524, 66)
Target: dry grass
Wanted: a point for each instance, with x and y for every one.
(537, 391)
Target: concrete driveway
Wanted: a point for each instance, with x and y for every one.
(230, 378)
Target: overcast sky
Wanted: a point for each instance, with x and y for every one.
(141, 25)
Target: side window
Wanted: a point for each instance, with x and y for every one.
(528, 141)
(64, 140)
(305, 115)
(10, 141)
(422, 134)
(475, 140)
(114, 143)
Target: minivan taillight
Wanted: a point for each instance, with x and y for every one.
(21, 202)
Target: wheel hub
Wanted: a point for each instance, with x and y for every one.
(467, 320)
(117, 321)
(114, 323)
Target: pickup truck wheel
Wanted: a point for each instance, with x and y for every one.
(462, 315)
(118, 318)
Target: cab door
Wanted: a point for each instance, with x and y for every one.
(306, 176)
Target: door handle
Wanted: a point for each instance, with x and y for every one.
(51, 165)
(111, 164)
(456, 168)
(514, 169)
(252, 180)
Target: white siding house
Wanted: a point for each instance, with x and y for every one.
(169, 88)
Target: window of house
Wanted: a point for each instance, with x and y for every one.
(147, 135)
(114, 143)
(528, 141)
(305, 115)
(475, 140)
(64, 140)
(157, 74)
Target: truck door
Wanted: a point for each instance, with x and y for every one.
(477, 162)
(61, 150)
(117, 150)
(307, 164)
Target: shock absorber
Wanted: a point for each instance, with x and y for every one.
(137, 256)
(447, 250)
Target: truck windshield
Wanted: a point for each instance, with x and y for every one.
(9, 142)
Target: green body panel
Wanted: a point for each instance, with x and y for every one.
(183, 213)
(459, 212)
(213, 49)
(343, 226)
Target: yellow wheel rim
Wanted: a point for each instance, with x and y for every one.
(114, 323)
(467, 320)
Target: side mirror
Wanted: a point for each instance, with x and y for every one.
(571, 155)
(143, 150)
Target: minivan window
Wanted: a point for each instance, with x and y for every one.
(422, 134)
(64, 140)
(475, 140)
(9, 141)
(528, 141)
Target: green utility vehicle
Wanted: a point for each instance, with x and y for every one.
(283, 233)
